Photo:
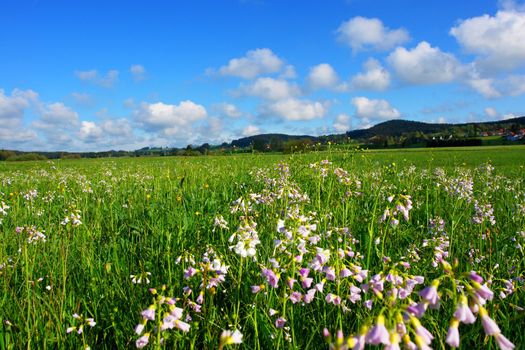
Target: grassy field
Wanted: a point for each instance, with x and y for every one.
(332, 249)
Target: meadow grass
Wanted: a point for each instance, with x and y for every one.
(173, 251)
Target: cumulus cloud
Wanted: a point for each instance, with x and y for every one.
(250, 130)
(294, 109)
(254, 63)
(374, 77)
(424, 64)
(374, 109)
(89, 131)
(288, 72)
(170, 120)
(228, 109)
(322, 76)
(491, 112)
(362, 33)
(483, 86)
(13, 107)
(497, 40)
(82, 98)
(269, 89)
(138, 72)
(342, 123)
(92, 76)
(57, 115)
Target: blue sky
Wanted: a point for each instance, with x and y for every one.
(99, 75)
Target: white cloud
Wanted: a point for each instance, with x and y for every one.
(89, 131)
(322, 76)
(514, 85)
(250, 130)
(509, 116)
(117, 127)
(491, 112)
(362, 33)
(342, 123)
(374, 109)
(138, 72)
(94, 77)
(424, 64)
(229, 110)
(375, 77)
(82, 98)
(170, 120)
(288, 72)
(511, 5)
(294, 109)
(483, 86)
(12, 108)
(58, 115)
(269, 89)
(498, 40)
(254, 63)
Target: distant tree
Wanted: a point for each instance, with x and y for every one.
(259, 145)
(4, 154)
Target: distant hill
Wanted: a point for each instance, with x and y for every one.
(268, 139)
(400, 127)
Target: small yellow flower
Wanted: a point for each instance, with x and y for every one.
(148, 196)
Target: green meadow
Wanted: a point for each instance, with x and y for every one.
(340, 249)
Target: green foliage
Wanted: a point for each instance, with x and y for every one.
(27, 157)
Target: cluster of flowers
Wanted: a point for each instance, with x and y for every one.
(400, 206)
(33, 234)
(401, 323)
(439, 241)
(73, 217)
(166, 315)
(3, 210)
(461, 187)
(484, 212)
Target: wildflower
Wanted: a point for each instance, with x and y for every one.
(142, 341)
(280, 322)
(504, 343)
(257, 289)
(271, 277)
(430, 293)
(295, 297)
(229, 337)
(378, 334)
(489, 326)
(149, 313)
(453, 334)
(421, 332)
(463, 313)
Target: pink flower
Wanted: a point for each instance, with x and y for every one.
(430, 293)
(149, 313)
(463, 312)
(257, 289)
(504, 343)
(280, 322)
(309, 296)
(453, 334)
(421, 332)
(142, 341)
(489, 326)
(295, 297)
(183, 326)
(378, 334)
(271, 277)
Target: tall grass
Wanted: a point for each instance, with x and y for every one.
(127, 235)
